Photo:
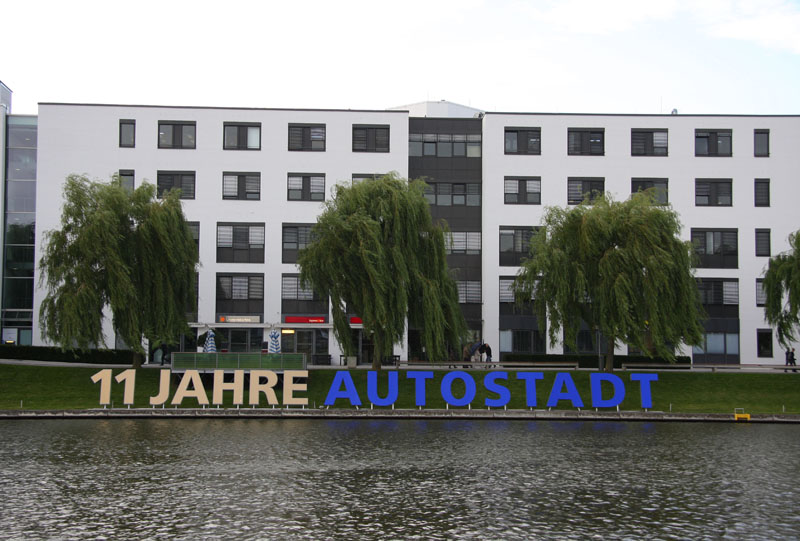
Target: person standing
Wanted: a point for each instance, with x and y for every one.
(488, 353)
(792, 361)
(788, 358)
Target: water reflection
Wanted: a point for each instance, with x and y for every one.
(309, 479)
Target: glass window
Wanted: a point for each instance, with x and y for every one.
(127, 133)
(20, 196)
(762, 192)
(761, 143)
(241, 136)
(173, 134)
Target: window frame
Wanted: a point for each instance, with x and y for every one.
(371, 137)
(763, 242)
(762, 182)
(649, 143)
(521, 237)
(441, 191)
(586, 146)
(756, 133)
(713, 142)
(241, 128)
(714, 191)
(178, 135)
(520, 193)
(252, 253)
(306, 138)
(584, 191)
(176, 174)
(305, 187)
(523, 134)
(127, 122)
(763, 332)
(722, 258)
(241, 186)
(289, 255)
(761, 294)
(125, 174)
(646, 183)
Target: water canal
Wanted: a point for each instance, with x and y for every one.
(361, 479)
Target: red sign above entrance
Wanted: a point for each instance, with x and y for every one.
(304, 319)
(356, 320)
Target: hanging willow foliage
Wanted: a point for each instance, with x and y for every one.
(122, 249)
(620, 267)
(782, 292)
(376, 253)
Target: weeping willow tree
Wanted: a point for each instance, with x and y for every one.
(122, 249)
(621, 268)
(782, 292)
(376, 253)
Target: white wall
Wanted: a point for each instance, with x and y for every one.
(84, 139)
(681, 167)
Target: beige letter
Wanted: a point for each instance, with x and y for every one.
(129, 377)
(163, 390)
(104, 377)
(198, 391)
(289, 387)
(268, 388)
(237, 387)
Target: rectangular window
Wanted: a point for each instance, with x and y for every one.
(515, 244)
(463, 242)
(523, 191)
(183, 180)
(469, 291)
(719, 346)
(522, 341)
(127, 133)
(446, 194)
(305, 187)
(523, 141)
(649, 142)
(712, 143)
(307, 137)
(716, 248)
(176, 134)
(444, 145)
(506, 290)
(240, 287)
(291, 289)
(718, 291)
(761, 295)
(126, 177)
(238, 136)
(295, 238)
(194, 228)
(764, 342)
(586, 141)
(658, 185)
(763, 243)
(579, 189)
(241, 186)
(370, 138)
(761, 143)
(240, 243)
(762, 192)
(710, 192)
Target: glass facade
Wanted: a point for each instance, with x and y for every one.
(20, 223)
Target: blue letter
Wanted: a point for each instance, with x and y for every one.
(503, 394)
(419, 376)
(372, 388)
(447, 392)
(336, 391)
(596, 379)
(530, 386)
(644, 387)
(564, 380)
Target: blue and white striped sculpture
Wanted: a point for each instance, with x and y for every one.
(211, 345)
(274, 341)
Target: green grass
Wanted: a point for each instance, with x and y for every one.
(51, 388)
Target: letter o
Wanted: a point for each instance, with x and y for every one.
(447, 392)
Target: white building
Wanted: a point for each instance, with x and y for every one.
(253, 181)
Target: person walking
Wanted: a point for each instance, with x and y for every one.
(792, 361)
(788, 358)
(488, 353)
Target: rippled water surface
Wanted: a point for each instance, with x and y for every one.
(318, 479)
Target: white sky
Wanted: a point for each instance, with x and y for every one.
(601, 56)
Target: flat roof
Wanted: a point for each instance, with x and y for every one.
(223, 108)
(659, 115)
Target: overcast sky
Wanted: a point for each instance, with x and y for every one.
(601, 56)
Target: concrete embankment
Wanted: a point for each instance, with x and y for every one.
(461, 414)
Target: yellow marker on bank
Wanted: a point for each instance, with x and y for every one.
(740, 415)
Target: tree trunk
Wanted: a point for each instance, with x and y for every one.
(378, 355)
(609, 365)
(137, 360)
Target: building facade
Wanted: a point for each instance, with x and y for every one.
(254, 180)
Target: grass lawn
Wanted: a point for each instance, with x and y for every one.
(51, 388)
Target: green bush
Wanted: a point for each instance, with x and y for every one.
(588, 360)
(40, 353)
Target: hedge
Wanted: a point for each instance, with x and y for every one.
(590, 360)
(92, 356)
